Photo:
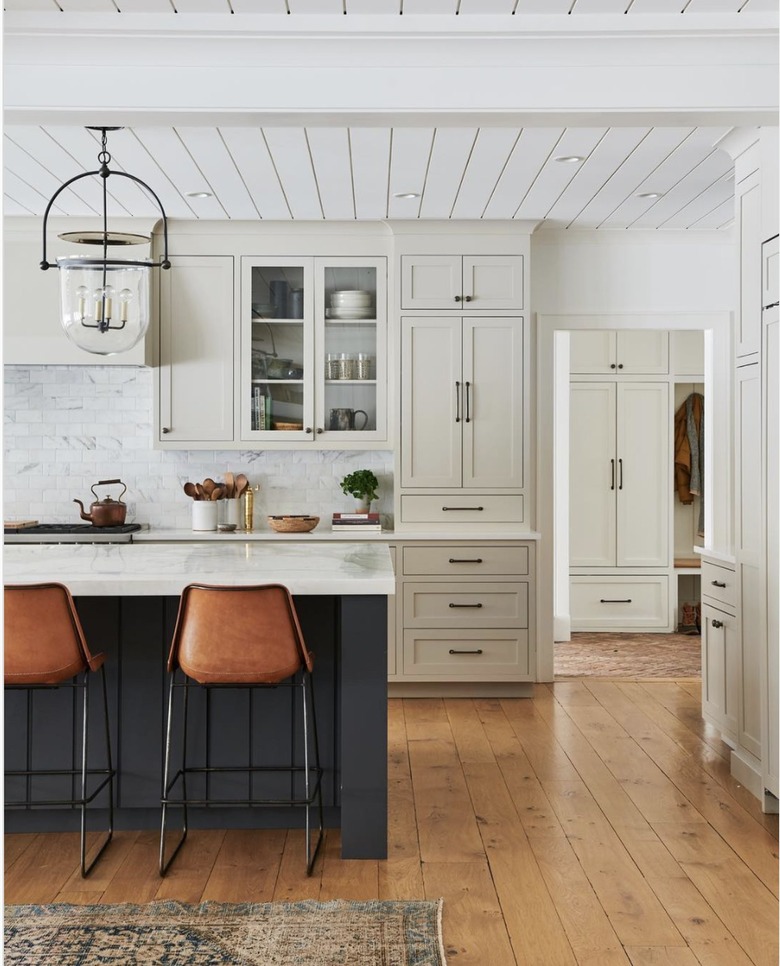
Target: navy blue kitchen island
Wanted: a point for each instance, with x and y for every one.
(341, 596)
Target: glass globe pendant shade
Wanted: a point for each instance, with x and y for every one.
(105, 304)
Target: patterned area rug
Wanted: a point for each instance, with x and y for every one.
(629, 656)
(213, 934)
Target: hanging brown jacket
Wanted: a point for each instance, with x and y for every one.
(683, 458)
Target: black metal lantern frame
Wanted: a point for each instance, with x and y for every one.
(132, 301)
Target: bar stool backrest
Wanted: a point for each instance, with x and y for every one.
(44, 640)
(238, 635)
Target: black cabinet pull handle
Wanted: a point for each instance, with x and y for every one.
(772, 305)
(620, 465)
(458, 298)
(166, 429)
(320, 429)
(717, 623)
(465, 560)
(620, 365)
(466, 298)
(457, 402)
(466, 605)
(468, 402)
(612, 487)
(307, 430)
(454, 651)
(612, 366)
(627, 600)
(463, 508)
(718, 583)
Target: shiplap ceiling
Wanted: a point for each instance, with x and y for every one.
(294, 173)
(345, 173)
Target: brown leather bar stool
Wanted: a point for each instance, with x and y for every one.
(45, 649)
(241, 637)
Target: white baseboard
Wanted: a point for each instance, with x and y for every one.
(747, 771)
(458, 689)
(562, 627)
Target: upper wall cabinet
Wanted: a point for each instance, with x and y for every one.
(32, 333)
(476, 282)
(195, 385)
(313, 334)
(748, 211)
(624, 352)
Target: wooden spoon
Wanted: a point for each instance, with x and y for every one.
(230, 485)
(191, 490)
(201, 491)
(217, 493)
(208, 486)
(241, 484)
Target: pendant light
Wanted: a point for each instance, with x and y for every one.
(105, 302)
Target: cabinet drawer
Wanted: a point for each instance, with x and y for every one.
(465, 605)
(718, 583)
(603, 603)
(476, 656)
(467, 560)
(460, 508)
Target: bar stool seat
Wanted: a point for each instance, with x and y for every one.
(241, 637)
(45, 649)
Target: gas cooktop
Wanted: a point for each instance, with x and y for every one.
(72, 533)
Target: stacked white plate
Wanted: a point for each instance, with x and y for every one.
(350, 305)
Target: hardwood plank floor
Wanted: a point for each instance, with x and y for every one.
(595, 824)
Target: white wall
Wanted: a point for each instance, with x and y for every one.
(627, 280)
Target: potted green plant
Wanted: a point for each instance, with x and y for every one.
(363, 486)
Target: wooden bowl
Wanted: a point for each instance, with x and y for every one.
(292, 523)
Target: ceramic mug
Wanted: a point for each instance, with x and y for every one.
(343, 420)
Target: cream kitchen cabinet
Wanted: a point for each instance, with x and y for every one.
(466, 612)
(748, 218)
(461, 407)
(314, 367)
(195, 395)
(622, 352)
(269, 352)
(620, 474)
(619, 505)
(481, 282)
(720, 668)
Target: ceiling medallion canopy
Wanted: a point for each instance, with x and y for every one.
(105, 302)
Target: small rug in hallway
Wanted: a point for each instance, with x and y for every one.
(338, 933)
(629, 656)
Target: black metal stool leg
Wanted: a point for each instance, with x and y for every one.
(311, 856)
(164, 864)
(86, 869)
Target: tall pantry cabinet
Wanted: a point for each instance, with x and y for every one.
(466, 602)
(747, 662)
(619, 480)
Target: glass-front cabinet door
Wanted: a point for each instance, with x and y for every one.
(350, 350)
(313, 351)
(277, 349)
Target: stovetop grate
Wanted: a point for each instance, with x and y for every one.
(85, 529)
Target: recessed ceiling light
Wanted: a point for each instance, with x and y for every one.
(198, 194)
(569, 158)
(651, 194)
(407, 194)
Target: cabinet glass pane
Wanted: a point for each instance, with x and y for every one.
(350, 348)
(277, 375)
(277, 292)
(350, 376)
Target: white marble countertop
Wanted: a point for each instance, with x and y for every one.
(323, 533)
(163, 569)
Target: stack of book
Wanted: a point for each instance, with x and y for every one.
(356, 522)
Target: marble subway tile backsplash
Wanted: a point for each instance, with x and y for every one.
(66, 427)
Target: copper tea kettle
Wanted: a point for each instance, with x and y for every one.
(107, 512)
